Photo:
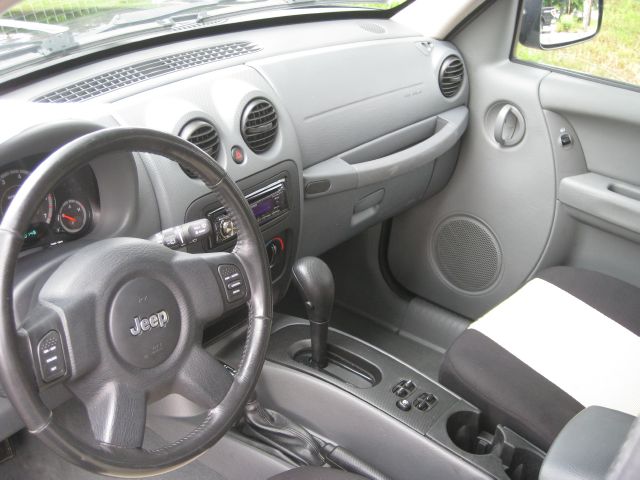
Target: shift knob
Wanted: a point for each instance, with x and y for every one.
(314, 281)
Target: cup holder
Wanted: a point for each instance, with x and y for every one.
(465, 432)
(517, 458)
(524, 465)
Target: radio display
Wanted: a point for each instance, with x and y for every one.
(264, 206)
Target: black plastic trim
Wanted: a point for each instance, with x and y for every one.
(383, 261)
(131, 46)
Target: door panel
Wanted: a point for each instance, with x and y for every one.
(599, 196)
(605, 118)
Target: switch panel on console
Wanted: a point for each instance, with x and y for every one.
(425, 401)
(404, 388)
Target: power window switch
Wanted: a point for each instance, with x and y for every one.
(425, 401)
(404, 388)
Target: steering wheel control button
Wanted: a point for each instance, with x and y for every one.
(144, 323)
(404, 388)
(51, 357)
(403, 404)
(234, 286)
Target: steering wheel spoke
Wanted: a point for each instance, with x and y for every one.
(117, 412)
(203, 379)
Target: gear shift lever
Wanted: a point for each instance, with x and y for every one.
(314, 281)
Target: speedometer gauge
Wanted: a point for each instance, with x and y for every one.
(10, 182)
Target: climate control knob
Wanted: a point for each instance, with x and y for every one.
(274, 247)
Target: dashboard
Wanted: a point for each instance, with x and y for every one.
(65, 214)
(321, 149)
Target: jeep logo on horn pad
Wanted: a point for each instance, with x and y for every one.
(141, 325)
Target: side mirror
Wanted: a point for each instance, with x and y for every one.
(545, 26)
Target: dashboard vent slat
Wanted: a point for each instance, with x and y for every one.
(259, 125)
(139, 72)
(451, 76)
(204, 136)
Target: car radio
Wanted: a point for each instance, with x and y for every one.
(267, 203)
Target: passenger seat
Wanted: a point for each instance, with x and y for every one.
(566, 340)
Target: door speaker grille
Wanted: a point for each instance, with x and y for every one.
(467, 254)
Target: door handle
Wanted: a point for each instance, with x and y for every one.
(509, 126)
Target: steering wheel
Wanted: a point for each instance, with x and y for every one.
(120, 322)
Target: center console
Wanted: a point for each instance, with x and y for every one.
(274, 197)
(450, 429)
(343, 390)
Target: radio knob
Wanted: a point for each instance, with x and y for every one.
(227, 228)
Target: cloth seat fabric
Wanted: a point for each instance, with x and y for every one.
(566, 340)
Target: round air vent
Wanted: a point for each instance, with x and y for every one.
(451, 76)
(204, 136)
(259, 125)
(467, 253)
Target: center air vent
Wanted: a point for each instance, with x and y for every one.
(259, 125)
(204, 136)
(451, 76)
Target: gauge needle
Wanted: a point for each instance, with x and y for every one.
(69, 217)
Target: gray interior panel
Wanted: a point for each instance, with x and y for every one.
(610, 200)
(587, 445)
(374, 181)
(605, 118)
(502, 198)
(597, 175)
(336, 107)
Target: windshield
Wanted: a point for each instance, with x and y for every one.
(36, 32)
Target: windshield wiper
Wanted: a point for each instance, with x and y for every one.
(173, 17)
(334, 3)
(58, 37)
(204, 12)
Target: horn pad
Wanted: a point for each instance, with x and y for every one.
(144, 322)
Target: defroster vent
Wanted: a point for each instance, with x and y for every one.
(259, 125)
(139, 72)
(451, 76)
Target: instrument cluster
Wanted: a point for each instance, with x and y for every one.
(66, 213)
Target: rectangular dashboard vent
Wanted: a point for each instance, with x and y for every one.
(139, 72)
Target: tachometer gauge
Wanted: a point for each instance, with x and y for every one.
(72, 216)
(10, 182)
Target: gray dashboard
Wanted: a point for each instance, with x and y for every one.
(361, 117)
